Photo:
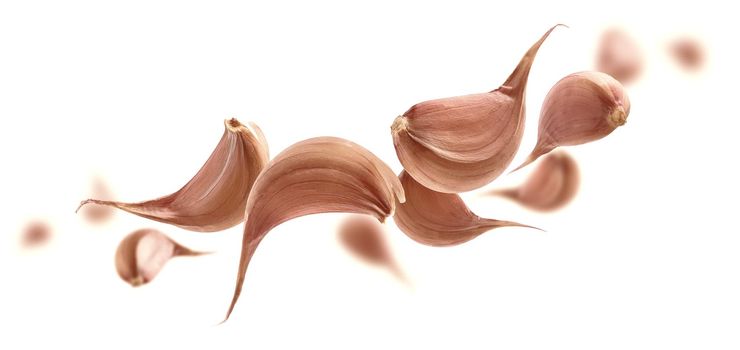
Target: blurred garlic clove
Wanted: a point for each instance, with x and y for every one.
(458, 144)
(552, 185)
(365, 238)
(439, 219)
(98, 214)
(35, 234)
(688, 53)
(142, 254)
(580, 108)
(318, 175)
(216, 196)
(619, 56)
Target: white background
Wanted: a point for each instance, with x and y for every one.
(645, 258)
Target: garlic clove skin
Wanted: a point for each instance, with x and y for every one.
(439, 219)
(215, 198)
(619, 56)
(551, 186)
(462, 143)
(142, 254)
(318, 175)
(364, 237)
(582, 107)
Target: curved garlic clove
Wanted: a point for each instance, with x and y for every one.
(35, 234)
(552, 185)
(365, 238)
(439, 219)
(619, 56)
(97, 214)
(318, 175)
(142, 254)
(462, 143)
(580, 108)
(216, 196)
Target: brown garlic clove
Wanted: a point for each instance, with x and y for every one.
(552, 185)
(688, 53)
(216, 196)
(580, 108)
(365, 238)
(439, 219)
(619, 56)
(142, 254)
(35, 234)
(318, 175)
(98, 214)
(458, 144)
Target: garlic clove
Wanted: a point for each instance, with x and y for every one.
(439, 219)
(318, 175)
(35, 234)
(552, 185)
(98, 214)
(619, 56)
(215, 198)
(458, 144)
(688, 53)
(580, 108)
(142, 254)
(365, 238)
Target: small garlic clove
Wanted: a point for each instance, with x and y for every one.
(215, 198)
(318, 175)
(365, 238)
(142, 254)
(580, 108)
(458, 144)
(552, 185)
(619, 56)
(35, 234)
(439, 219)
(688, 53)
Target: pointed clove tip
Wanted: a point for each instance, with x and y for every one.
(82, 203)
(399, 124)
(232, 124)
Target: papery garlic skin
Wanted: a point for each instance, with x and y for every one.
(439, 219)
(318, 175)
(142, 254)
(461, 143)
(582, 107)
(215, 198)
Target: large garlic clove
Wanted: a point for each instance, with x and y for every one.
(619, 56)
(365, 238)
(319, 175)
(439, 219)
(462, 143)
(142, 254)
(580, 108)
(215, 198)
(552, 185)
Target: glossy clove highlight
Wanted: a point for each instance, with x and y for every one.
(365, 238)
(216, 196)
(580, 108)
(552, 185)
(619, 56)
(458, 144)
(142, 254)
(318, 175)
(439, 219)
